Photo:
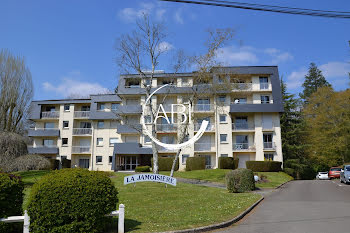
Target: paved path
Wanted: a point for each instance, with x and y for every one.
(300, 207)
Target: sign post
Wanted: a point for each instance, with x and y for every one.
(150, 178)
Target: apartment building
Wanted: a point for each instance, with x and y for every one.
(103, 132)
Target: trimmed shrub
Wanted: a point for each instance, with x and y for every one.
(143, 169)
(165, 164)
(70, 201)
(11, 199)
(289, 171)
(30, 162)
(228, 163)
(264, 166)
(240, 180)
(66, 163)
(195, 163)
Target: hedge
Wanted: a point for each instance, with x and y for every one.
(228, 163)
(240, 180)
(143, 169)
(264, 166)
(11, 199)
(165, 163)
(195, 163)
(70, 201)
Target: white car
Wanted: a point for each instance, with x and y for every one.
(322, 176)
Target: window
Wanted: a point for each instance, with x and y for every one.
(207, 161)
(148, 120)
(101, 106)
(267, 141)
(85, 108)
(48, 142)
(115, 107)
(203, 105)
(265, 99)
(264, 83)
(110, 159)
(98, 159)
(99, 142)
(184, 158)
(222, 99)
(147, 139)
(222, 118)
(66, 107)
(49, 125)
(268, 157)
(223, 138)
(85, 125)
(131, 139)
(241, 142)
(66, 124)
(241, 122)
(224, 155)
(50, 109)
(113, 141)
(148, 82)
(185, 81)
(240, 100)
(100, 124)
(64, 141)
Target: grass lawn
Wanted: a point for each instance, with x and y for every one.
(151, 207)
(218, 175)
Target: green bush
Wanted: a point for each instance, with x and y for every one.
(240, 180)
(264, 166)
(143, 169)
(228, 163)
(165, 163)
(289, 171)
(195, 163)
(11, 199)
(71, 201)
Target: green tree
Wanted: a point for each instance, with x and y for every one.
(313, 81)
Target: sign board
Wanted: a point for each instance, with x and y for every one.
(149, 178)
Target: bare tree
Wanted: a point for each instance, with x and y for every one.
(16, 92)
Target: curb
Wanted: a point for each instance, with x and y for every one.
(218, 225)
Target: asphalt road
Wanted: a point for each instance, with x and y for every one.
(300, 207)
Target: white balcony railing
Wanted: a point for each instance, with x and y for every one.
(45, 129)
(50, 114)
(81, 149)
(210, 127)
(242, 126)
(82, 114)
(199, 146)
(269, 146)
(241, 86)
(82, 131)
(203, 107)
(243, 147)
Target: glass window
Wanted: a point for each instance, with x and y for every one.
(65, 124)
(223, 137)
(100, 124)
(222, 118)
(184, 158)
(267, 140)
(101, 106)
(241, 142)
(85, 125)
(115, 107)
(99, 141)
(240, 100)
(98, 159)
(64, 141)
(48, 142)
(66, 107)
(241, 122)
(112, 141)
(265, 99)
(224, 155)
(264, 83)
(110, 159)
(49, 125)
(268, 157)
(222, 98)
(148, 120)
(85, 108)
(147, 139)
(207, 161)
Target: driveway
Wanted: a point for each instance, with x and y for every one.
(300, 207)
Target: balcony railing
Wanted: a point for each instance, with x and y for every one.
(264, 86)
(133, 86)
(50, 114)
(82, 114)
(242, 126)
(203, 107)
(167, 127)
(81, 149)
(269, 146)
(49, 149)
(243, 147)
(82, 131)
(241, 86)
(32, 132)
(210, 127)
(204, 146)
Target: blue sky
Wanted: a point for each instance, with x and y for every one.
(69, 45)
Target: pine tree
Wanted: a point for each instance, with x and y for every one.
(313, 81)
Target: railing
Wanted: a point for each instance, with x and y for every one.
(266, 102)
(264, 86)
(242, 102)
(82, 131)
(50, 114)
(26, 219)
(204, 146)
(166, 127)
(269, 145)
(242, 147)
(210, 127)
(43, 146)
(81, 149)
(133, 86)
(45, 129)
(241, 86)
(82, 114)
(242, 126)
(203, 107)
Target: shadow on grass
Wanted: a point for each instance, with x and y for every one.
(130, 225)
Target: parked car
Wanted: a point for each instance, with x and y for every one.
(345, 174)
(334, 172)
(322, 176)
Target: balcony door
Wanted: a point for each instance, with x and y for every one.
(241, 122)
(204, 143)
(49, 125)
(84, 163)
(85, 125)
(241, 142)
(267, 140)
(203, 104)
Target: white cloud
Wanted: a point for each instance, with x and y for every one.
(130, 15)
(165, 46)
(335, 69)
(296, 78)
(178, 16)
(71, 86)
(160, 13)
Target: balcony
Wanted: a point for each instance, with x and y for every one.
(82, 131)
(242, 147)
(242, 127)
(269, 146)
(199, 146)
(265, 86)
(81, 150)
(82, 114)
(50, 115)
(241, 86)
(268, 128)
(129, 129)
(203, 107)
(42, 149)
(166, 127)
(210, 127)
(44, 132)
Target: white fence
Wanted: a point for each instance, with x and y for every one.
(26, 220)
